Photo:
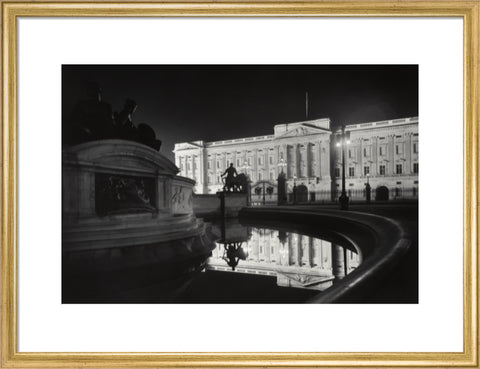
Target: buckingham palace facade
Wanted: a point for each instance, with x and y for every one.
(384, 154)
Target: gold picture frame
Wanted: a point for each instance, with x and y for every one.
(467, 10)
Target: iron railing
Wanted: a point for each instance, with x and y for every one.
(325, 197)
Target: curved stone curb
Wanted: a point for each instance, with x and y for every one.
(387, 242)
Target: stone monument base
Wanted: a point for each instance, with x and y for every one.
(129, 230)
(210, 206)
(118, 193)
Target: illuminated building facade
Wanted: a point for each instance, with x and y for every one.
(384, 154)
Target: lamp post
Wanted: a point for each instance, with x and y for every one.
(342, 142)
(281, 188)
(294, 189)
(368, 189)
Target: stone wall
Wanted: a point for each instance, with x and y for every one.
(209, 206)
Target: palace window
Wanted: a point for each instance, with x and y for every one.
(272, 176)
(188, 165)
(238, 162)
(415, 148)
(380, 150)
(349, 153)
(249, 161)
(270, 159)
(351, 172)
(337, 172)
(399, 169)
(366, 170)
(209, 165)
(382, 170)
(415, 168)
(218, 164)
(260, 161)
(260, 176)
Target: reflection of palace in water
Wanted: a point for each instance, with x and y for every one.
(296, 260)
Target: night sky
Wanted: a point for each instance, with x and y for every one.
(215, 102)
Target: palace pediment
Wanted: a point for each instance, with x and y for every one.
(189, 145)
(302, 130)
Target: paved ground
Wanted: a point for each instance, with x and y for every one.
(401, 285)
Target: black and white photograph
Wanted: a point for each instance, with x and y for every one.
(240, 184)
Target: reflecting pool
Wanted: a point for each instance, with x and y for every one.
(230, 263)
(293, 259)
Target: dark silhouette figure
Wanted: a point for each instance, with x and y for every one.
(368, 191)
(233, 253)
(127, 131)
(231, 173)
(91, 119)
(125, 126)
(146, 136)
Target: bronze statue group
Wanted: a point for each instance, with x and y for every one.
(92, 119)
(234, 182)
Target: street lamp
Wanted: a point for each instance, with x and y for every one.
(294, 189)
(342, 142)
(281, 188)
(368, 189)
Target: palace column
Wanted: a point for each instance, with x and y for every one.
(308, 252)
(255, 248)
(326, 255)
(408, 153)
(201, 179)
(391, 152)
(255, 164)
(288, 160)
(290, 248)
(338, 262)
(299, 250)
(276, 161)
(374, 155)
(312, 162)
(319, 158)
(305, 163)
(294, 160)
(205, 170)
(277, 245)
(194, 167)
